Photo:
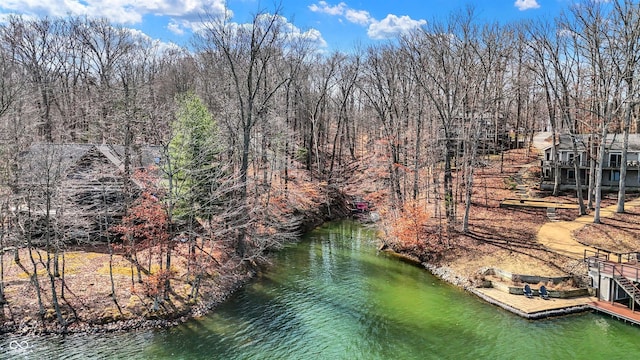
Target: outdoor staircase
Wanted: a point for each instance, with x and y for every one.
(629, 287)
(522, 191)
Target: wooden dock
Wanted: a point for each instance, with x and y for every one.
(533, 308)
(617, 311)
(538, 309)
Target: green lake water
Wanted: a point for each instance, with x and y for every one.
(333, 296)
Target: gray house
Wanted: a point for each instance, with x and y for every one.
(76, 191)
(565, 159)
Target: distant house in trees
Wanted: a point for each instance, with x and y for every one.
(492, 133)
(76, 191)
(565, 159)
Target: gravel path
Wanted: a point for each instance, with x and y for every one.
(558, 236)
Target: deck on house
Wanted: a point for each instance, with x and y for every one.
(629, 270)
(618, 311)
(614, 264)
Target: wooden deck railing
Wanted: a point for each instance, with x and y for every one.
(599, 253)
(601, 261)
(631, 272)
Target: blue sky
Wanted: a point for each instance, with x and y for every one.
(335, 25)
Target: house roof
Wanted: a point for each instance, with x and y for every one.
(43, 160)
(614, 142)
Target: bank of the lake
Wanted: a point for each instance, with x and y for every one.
(89, 305)
(531, 309)
(100, 318)
(334, 296)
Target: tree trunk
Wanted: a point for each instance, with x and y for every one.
(576, 168)
(418, 155)
(623, 173)
(167, 282)
(469, 181)
(592, 171)
(448, 184)
(3, 299)
(598, 189)
(54, 300)
(241, 249)
(623, 166)
(35, 282)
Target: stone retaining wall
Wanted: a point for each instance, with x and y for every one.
(529, 279)
(560, 294)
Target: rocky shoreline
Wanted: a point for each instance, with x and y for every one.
(447, 274)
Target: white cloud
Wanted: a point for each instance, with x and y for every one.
(523, 5)
(117, 11)
(324, 7)
(293, 33)
(392, 26)
(387, 28)
(175, 28)
(182, 16)
(360, 17)
(290, 32)
(314, 37)
(190, 9)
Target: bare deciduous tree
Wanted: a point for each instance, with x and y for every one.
(252, 55)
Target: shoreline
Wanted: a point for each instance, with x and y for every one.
(217, 295)
(222, 294)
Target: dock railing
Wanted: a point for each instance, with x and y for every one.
(629, 287)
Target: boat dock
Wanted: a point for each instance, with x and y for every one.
(536, 307)
(615, 278)
(617, 311)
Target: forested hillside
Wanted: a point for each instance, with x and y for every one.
(232, 141)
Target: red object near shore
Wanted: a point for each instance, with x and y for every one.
(362, 206)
